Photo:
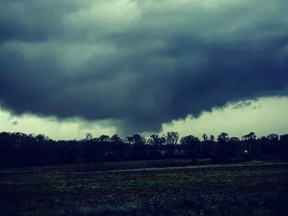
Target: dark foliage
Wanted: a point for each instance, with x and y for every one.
(19, 149)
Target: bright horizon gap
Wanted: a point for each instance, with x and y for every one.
(263, 116)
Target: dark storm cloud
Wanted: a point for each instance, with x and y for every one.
(139, 63)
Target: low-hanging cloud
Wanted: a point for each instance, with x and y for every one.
(139, 63)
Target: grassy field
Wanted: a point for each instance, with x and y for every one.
(239, 189)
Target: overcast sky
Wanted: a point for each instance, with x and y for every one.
(68, 67)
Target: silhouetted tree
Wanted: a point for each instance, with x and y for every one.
(250, 143)
(223, 137)
(212, 138)
(156, 143)
(139, 147)
(157, 140)
(89, 136)
(19, 149)
(172, 138)
(205, 137)
(191, 146)
(250, 136)
(284, 146)
(222, 151)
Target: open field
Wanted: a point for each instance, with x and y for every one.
(240, 189)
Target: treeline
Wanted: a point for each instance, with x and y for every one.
(19, 149)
